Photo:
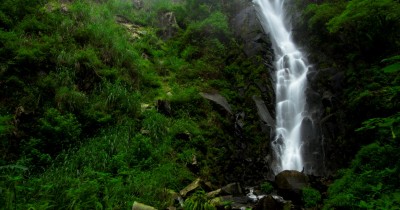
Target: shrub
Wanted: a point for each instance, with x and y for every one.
(198, 201)
(266, 187)
(59, 130)
(370, 181)
(156, 124)
(5, 125)
(311, 197)
(109, 171)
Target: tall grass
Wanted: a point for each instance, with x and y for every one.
(108, 172)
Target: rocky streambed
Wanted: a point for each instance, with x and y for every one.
(290, 190)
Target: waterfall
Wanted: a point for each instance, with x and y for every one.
(291, 82)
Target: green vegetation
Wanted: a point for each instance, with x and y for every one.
(267, 187)
(198, 201)
(370, 182)
(361, 39)
(100, 101)
(311, 197)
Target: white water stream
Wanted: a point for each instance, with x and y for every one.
(291, 82)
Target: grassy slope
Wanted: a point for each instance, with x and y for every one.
(79, 127)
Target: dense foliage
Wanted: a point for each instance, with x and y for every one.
(83, 83)
(361, 38)
(100, 103)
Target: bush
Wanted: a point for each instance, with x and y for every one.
(198, 201)
(109, 171)
(267, 187)
(60, 131)
(156, 124)
(370, 180)
(5, 125)
(311, 197)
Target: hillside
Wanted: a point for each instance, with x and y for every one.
(108, 102)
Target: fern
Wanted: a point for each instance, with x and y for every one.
(198, 201)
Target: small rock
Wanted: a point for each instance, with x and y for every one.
(141, 206)
(221, 201)
(196, 184)
(214, 193)
(138, 4)
(64, 8)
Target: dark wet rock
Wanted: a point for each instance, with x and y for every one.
(312, 149)
(327, 98)
(313, 99)
(239, 124)
(219, 99)
(291, 180)
(164, 107)
(248, 29)
(273, 203)
(263, 112)
(311, 75)
(289, 184)
(235, 203)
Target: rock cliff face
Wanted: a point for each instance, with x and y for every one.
(325, 102)
(248, 29)
(251, 149)
(323, 95)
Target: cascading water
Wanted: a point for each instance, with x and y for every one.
(291, 82)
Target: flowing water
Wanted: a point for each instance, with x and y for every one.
(291, 82)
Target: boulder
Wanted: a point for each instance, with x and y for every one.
(195, 185)
(267, 202)
(291, 180)
(289, 184)
(273, 203)
(141, 206)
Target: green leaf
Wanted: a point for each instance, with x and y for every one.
(391, 59)
(13, 167)
(392, 68)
